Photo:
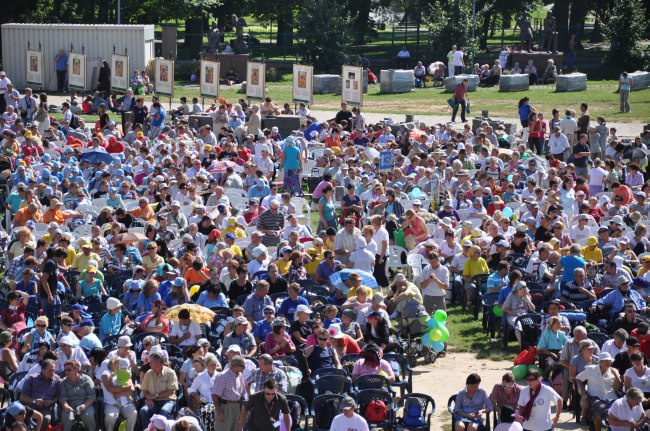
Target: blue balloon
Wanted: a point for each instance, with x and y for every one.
(427, 341)
(438, 346)
(432, 323)
(507, 212)
(443, 323)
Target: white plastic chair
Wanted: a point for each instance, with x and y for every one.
(136, 229)
(233, 193)
(83, 230)
(130, 204)
(242, 242)
(249, 230)
(99, 202)
(415, 262)
(302, 205)
(395, 257)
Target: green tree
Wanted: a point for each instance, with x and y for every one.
(323, 31)
(450, 22)
(625, 30)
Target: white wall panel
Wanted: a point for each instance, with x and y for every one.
(97, 41)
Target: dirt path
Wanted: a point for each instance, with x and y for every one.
(447, 377)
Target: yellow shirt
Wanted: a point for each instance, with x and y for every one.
(313, 265)
(595, 255)
(237, 231)
(283, 266)
(81, 260)
(475, 267)
(71, 256)
(642, 271)
(235, 249)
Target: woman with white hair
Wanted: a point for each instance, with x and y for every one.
(519, 302)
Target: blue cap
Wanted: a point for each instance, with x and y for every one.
(46, 158)
(260, 182)
(49, 191)
(222, 244)
(56, 165)
(112, 190)
(78, 307)
(45, 173)
(30, 223)
(98, 174)
(128, 169)
(230, 236)
(69, 150)
(21, 168)
(179, 282)
(111, 123)
(54, 181)
(117, 160)
(119, 172)
(86, 322)
(79, 180)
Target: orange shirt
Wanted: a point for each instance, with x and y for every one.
(22, 216)
(330, 142)
(192, 276)
(145, 213)
(55, 215)
(626, 193)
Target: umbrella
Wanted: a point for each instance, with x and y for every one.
(198, 313)
(433, 67)
(94, 156)
(367, 279)
(132, 236)
(220, 167)
(371, 153)
(636, 154)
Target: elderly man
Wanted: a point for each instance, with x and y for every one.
(616, 299)
(627, 412)
(266, 371)
(143, 211)
(579, 289)
(256, 302)
(41, 391)
(271, 224)
(571, 349)
(402, 293)
(597, 385)
(159, 387)
(175, 218)
(241, 337)
(77, 397)
(345, 240)
(227, 394)
(613, 273)
(256, 241)
(89, 340)
(68, 351)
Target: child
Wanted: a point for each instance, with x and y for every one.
(122, 378)
(199, 367)
(330, 316)
(612, 134)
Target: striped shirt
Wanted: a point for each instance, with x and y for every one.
(269, 221)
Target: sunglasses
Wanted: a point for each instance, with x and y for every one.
(269, 394)
(40, 325)
(64, 324)
(322, 339)
(268, 312)
(68, 370)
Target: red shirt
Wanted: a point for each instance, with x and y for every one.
(460, 92)
(11, 317)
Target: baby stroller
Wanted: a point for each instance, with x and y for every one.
(410, 330)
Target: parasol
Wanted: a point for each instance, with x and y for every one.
(132, 236)
(94, 157)
(220, 167)
(636, 154)
(433, 67)
(367, 279)
(198, 313)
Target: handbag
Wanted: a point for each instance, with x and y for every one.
(468, 108)
(451, 102)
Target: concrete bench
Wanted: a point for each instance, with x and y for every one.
(517, 82)
(396, 81)
(327, 84)
(641, 80)
(571, 82)
(451, 82)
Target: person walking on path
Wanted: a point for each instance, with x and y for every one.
(460, 96)
(625, 84)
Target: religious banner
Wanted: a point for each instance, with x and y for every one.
(352, 83)
(77, 71)
(303, 80)
(210, 72)
(35, 75)
(255, 80)
(120, 75)
(164, 77)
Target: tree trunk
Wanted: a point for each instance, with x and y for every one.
(194, 35)
(361, 22)
(102, 13)
(285, 33)
(577, 18)
(561, 14)
(487, 20)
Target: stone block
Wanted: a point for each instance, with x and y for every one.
(518, 82)
(327, 84)
(453, 81)
(396, 81)
(641, 80)
(571, 82)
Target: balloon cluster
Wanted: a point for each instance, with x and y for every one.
(519, 371)
(438, 333)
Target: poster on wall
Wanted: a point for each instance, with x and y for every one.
(210, 72)
(120, 69)
(164, 77)
(35, 74)
(77, 71)
(255, 80)
(303, 79)
(352, 83)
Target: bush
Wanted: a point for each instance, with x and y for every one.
(273, 75)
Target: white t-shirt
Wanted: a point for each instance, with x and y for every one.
(355, 423)
(580, 235)
(642, 382)
(458, 58)
(623, 412)
(77, 354)
(363, 259)
(611, 348)
(596, 176)
(380, 236)
(540, 416)
(432, 289)
(193, 328)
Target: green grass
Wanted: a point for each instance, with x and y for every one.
(468, 335)
(433, 101)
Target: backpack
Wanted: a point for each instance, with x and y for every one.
(376, 412)
(74, 122)
(413, 415)
(327, 411)
(526, 357)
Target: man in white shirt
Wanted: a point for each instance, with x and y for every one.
(27, 107)
(11, 96)
(568, 127)
(459, 62)
(581, 232)
(186, 332)
(361, 258)
(345, 240)
(558, 143)
(627, 413)
(348, 420)
(434, 283)
(67, 353)
(597, 385)
(4, 83)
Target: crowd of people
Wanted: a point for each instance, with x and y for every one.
(106, 232)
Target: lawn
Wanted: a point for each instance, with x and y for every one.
(433, 101)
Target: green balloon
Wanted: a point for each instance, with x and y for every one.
(497, 311)
(535, 367)
(440, 315)
(519, 371)
(445, 333)
(435, 334)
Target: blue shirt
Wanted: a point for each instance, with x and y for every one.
(327, 322)
(569, 264)
(615, 300)
(292, 155)
(288, 307)
(551, 341)
(254, 192)
(262, 329)
(495, 280)
(146, 302)
(503, 293)
(209, 303)
(90, 341)
(110, 325)
(164, 288)
(62, 63)
(159, 118)
(625, 83)
(465, 404)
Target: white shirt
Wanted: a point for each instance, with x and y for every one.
(193, 328)
(580, 235)
(540, 416)
(457, 58)
(379, 237)
(355, 423)
(202, 385)
(568, 126)
(77, 354)
(641, 382)
(599, 385)
(623, 412)
(432, 289)
(363, 259)
(303, 232)
(597, 176)
(611, 348)
(557, 144)
(447, 251)
(266, 202)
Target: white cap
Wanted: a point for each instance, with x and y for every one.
(113, 303)
(302, 308)
(361, 243)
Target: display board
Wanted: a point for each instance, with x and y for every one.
(255, 80)
(120, 72)
(34, 68)
(303, 84)
(352, 85)
(164, 77)
(210, 72)
(77, 69)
